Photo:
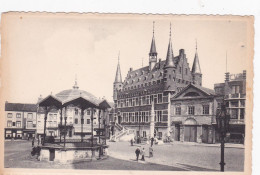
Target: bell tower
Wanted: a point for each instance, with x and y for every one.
(153, 53)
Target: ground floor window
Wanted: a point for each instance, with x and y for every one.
(144, 133)
(160, 135)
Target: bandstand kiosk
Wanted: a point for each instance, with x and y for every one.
(69, 150)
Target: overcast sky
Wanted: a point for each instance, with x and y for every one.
(44, 53)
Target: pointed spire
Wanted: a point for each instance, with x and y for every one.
(118, 78)
(76, 83)
(196, 64)
(169, 58)
(153, 47)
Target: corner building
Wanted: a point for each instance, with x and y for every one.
(153, 84)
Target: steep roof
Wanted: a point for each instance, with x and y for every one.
(196, 64)
(20, 107)
(153, 47)
(118, 78)
(169, 57)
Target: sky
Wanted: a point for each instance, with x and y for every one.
(43, 54)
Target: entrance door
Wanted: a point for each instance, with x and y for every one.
(52, 154)
(177, 132)
(190, 133)
(119, 119)
(70, 133)
(14, 134)
(205, 134)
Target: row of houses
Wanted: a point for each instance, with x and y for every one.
(24, 121)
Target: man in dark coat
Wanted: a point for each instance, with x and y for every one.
(137, 152)
(152, 139)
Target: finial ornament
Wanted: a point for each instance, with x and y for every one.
(153, 28)
(196, 44)
(170, 29)
(118, 55)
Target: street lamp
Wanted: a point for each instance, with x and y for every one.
(222, 120)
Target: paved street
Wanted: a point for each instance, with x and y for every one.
(186, 156)
(176, 157)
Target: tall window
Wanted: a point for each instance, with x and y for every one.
(29, 124)
(136, 101)
(205, 109)
(160, 98)
(147, 99)
(76, 111)
(76, 121)
(18, 124)
(9, 123)
(88, 112)
(29, 116)
(186, 71)
(191, 110)
(130, 102)
(178, 110)
(155, 99)
(9, 115)
(235, 89)
(180, 70)
(144, 133)
(88, 121)
(159, 116)
(127, 102)
(18, 115)
(136, 116)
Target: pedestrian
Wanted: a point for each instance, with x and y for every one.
(152, 139)
(137, 152)
(143, 153)
(32, 142)
(132, 142)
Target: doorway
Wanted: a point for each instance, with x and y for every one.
(52, 154)
(190, 133)
(205, 131)
(177, 132)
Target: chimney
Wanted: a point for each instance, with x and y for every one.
(131, 69)
(244, 74)
(227, 77)
(159, 63)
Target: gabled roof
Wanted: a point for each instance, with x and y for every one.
(20, 107)
(206, 91)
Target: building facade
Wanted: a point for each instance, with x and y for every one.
(233, 91)
(27, 120)
(193, 112)
(20, 120)
(153, 84)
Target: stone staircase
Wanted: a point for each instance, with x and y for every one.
(124, 133)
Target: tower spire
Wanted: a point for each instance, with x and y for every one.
(169, 58)
(118, 78)
(76, 83)
(152, 53)
(196, 64)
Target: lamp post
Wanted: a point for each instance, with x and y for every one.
(222, 120)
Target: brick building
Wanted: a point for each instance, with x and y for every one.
(233, 90)
(156, 83)
(20, 120)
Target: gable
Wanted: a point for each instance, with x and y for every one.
(191, 91)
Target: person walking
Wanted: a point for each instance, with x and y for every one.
(143, 153)
(152, 139)
(33, 142)
(137, 152)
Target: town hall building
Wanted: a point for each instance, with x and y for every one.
(154, 84)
